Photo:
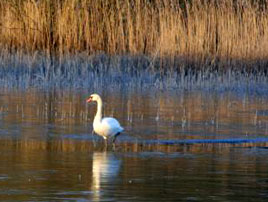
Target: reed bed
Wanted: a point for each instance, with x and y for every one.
(218, 33)
(171, 44)
(98, 72)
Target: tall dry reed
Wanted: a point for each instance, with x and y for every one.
(172, 28)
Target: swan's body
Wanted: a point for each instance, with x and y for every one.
(106, 127)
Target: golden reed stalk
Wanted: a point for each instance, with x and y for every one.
(216, 29)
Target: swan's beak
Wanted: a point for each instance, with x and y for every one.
(89, 100)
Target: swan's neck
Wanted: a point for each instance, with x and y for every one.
(98, 115)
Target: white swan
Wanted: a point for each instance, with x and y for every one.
(106, 127)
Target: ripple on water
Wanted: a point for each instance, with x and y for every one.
(4, 177)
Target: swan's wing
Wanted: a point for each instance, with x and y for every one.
(111, 125)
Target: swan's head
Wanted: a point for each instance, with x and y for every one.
(94, 97)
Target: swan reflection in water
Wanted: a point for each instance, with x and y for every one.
(105, 169)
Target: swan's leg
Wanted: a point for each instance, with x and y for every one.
(105, 143)
(113, 146)
(113, 140)
(114, 137)
(93, 139)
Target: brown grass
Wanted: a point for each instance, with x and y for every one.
(191, 29)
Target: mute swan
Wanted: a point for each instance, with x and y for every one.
(106, 127)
